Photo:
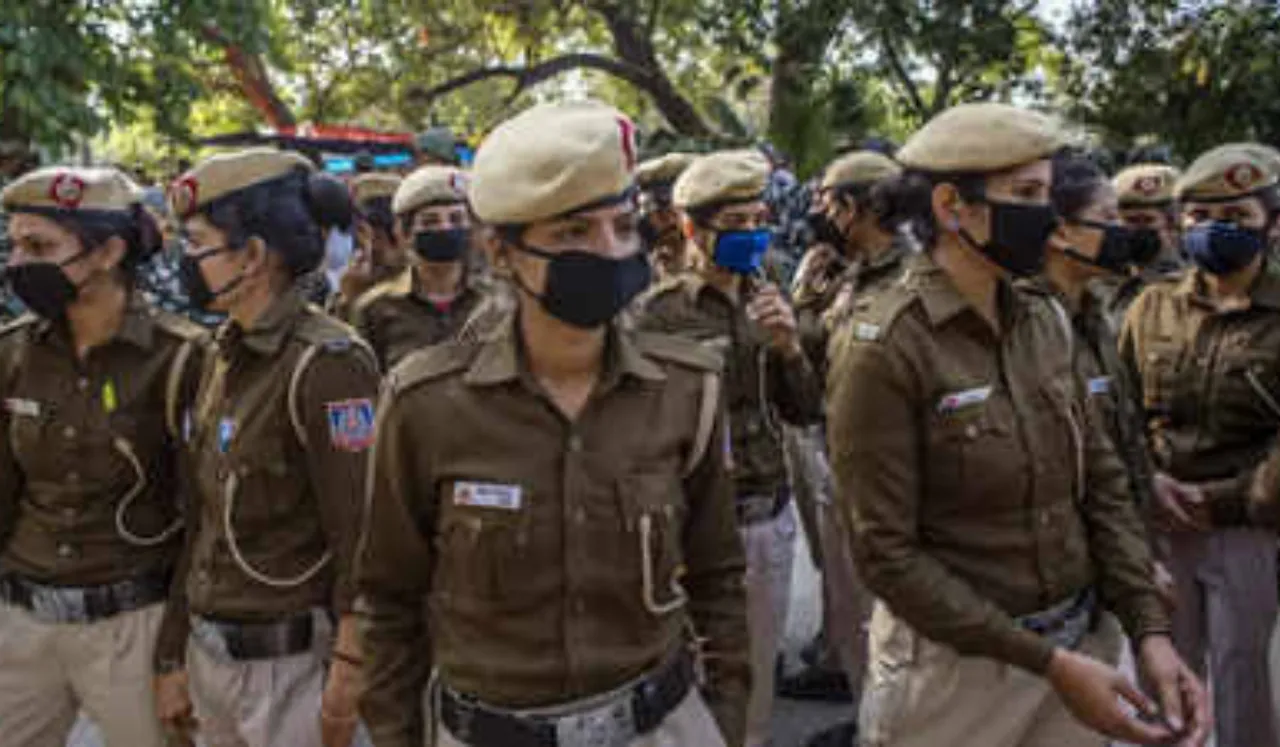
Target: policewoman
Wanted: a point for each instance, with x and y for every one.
(278, 438)
(861, 247)
(551, 525)
(728, 308)
(378, 255)
(1148, 208)
(91, 380)
(1203, 345)
(429, 302)
(988, 512)
(660, 221)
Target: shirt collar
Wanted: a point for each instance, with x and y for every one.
(137, 326)
(501, 358)
(942, 300)
(268, 334)
(1265, 291)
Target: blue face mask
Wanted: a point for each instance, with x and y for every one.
(742, 252)
(1222, 248)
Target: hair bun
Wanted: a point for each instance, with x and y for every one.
(329, 201)
(147, 239)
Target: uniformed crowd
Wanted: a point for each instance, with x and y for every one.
(530, 476)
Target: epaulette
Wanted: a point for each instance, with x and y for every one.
(679, 350)
(397, 287)
(663, 288)
(323, 333)
(430, 363)
(870, 322)
(178, 326)
(22, 322)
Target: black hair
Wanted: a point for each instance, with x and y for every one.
(289, 214)
(889, 200)
(1077, 180)
(376, 211)
(138, 229)
(914, 190)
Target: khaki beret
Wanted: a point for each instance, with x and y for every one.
(75, 189)
(862, 167)
(663, 170)
(981, 138)
(226, 173)
(430, 185)
(1146, 184)
(551, 160)
(722, 178)
(1228, 172)
(372, 186)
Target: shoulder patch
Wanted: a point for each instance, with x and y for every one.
(679, 350)
(429, 364)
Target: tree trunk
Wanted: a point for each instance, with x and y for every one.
(797, 121)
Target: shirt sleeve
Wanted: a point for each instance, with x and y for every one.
(336, 401)
(171, 642)
(11, 480)
(794, 388)
(876, 445)
(399, 515)
(717, 597)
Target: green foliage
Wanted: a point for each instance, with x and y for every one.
(1190, 76)
(69, 67)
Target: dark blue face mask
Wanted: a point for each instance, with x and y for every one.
(1221, 248)
(742, 252)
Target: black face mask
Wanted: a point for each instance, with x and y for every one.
(1144, 245)
(199, 294)
(44, 287)
(1115, 254)
(649, 233)
(825, 231)
(442, 246)
(1018, 236)
(586, 290)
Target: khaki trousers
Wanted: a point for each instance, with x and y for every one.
(770, 547)
(689, 725)
(923, 694)
(847, 603)
(261, 703)
(1226, 581)
(50, 672)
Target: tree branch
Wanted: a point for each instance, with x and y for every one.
(904, 77)
(525, 77)
(251, 75)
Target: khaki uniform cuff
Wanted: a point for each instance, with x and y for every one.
(1027, 651)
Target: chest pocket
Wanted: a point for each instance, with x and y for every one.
(1250, 386)
(972, 449)
(654, 513)
(481, 550)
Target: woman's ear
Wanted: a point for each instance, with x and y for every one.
(112, 253)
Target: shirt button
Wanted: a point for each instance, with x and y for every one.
(579, 516)
(69, 513)
(575, 443)
(69, 432)
(1046, 518)
(971, 431)
(66, 552)
(579, 607)
(73, 478)
(83, 384)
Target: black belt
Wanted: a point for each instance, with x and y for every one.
(84, 604)
(247, 641)
(635, 712)
(756, 509)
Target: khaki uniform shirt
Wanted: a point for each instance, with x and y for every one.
(397, 318)
(283, 472)
(975, 487)
(535, 560)
(1107, 384)
(759, 382)
(90, 490)
(824, 303)
(1210, 384)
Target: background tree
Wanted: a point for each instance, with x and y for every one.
(1189, 75)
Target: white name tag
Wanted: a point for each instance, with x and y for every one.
(1100, 385)
(488, 495)
(28, 408)
(960, 400)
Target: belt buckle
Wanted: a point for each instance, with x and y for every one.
(611, 725)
